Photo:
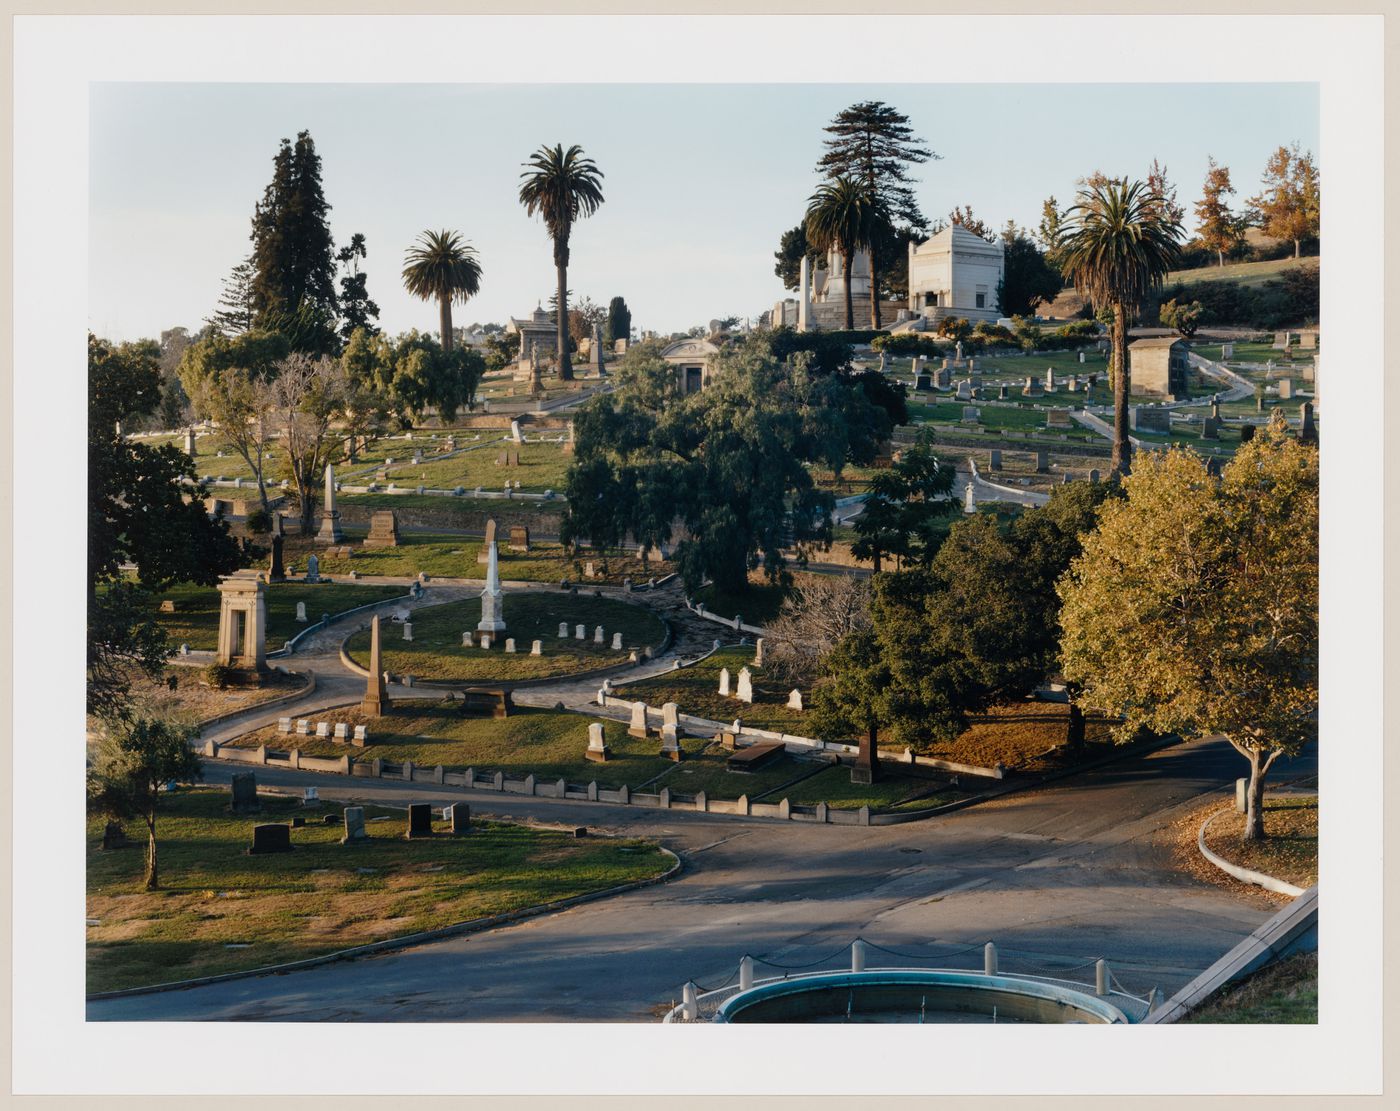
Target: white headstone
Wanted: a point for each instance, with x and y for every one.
(515, 431)
(794, 701)
(486, 641)
(597, 634)
(361, 733)
(969, 499)
(342, 730)
(301, 612)
(284, 725)
(408, 630)
(536, 648)
(323, 729)
(617, 642)
(638, 725)
(724, 681)
(467, 639)
(510, 644)
(303, 726)
(744, 693)
(580, 633)
(595, 737)
(563, 629)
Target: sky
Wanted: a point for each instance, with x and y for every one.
(700, 181)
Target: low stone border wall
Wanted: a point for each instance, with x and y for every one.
(472, 926)
(1245, 875)
(272, 703)
(698, 608)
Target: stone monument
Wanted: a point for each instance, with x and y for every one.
(383, 530)
(242, 622)
(492, 617)
(330, 519)
(376, 698)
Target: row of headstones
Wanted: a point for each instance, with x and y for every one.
(341, 731)
(743, 689)
(486, 641)
(599, 636)
(277, 837)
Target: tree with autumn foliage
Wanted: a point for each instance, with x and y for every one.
(1289, 205)
(1218, 229)
(1193, 608)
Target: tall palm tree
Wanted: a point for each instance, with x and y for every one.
(441, 265)
(845, 216)
(1119, 245)
(561, 186)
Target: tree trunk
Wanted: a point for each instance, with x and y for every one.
(1074, 733)
(152, 865)
(1297, 249)
(561, 313)
(867, 766)
(1121, 461)
(308, 510)
(445, 321)
(850, 310)
(1254, 798)
(874, 290)
(875, 560)
(1221, 256)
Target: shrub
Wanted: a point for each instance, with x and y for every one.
(908, 343)
(990, 336)
(258, 522)
(218, 676)
(955, 328)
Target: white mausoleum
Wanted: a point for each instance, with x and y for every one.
(691, 358)
(955, 273)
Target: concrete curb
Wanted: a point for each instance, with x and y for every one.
(475, 925)
(290, 647)
(1245, 875)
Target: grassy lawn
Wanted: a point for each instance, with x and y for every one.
(196, 618)
(1246, 273)
(447, 556)
(436, 651)
(757, 605)
(542, 467)
(1282, 992)
(1288, 853)
(1017, 735)
(706, 772)
(548, 743)
(695, 690)
(834, 787)
(464, 504)
(998, 418)
(222, 911)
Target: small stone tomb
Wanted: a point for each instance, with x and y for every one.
(1285, 389)
(383, 530)
(971, 414)
(1147, 418)
(420, 820)
(271, 838)
(1058, 418)
(354, 825)
(744, 691)
(964, 390)
(754, 756)
(243, 793)
(994, 463)
(597, 750)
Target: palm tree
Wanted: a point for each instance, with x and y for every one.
(440, 264)
(1119, 244)
(843, 215)
(561, 186)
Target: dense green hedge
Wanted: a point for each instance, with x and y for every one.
(1292, 298)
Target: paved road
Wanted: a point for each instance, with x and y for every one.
(1057, 878)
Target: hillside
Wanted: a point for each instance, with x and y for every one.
(1246, 273)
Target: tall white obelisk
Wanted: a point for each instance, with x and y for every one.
(492, 618)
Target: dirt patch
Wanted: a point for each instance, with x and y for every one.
(1179, 838)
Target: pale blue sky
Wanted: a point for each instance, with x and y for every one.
(700, 180)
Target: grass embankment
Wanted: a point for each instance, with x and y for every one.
(193, 701)
(196, 618)
(1282, 992)
(444, 555)
(1288, 853)
(547, 743)
(695, 690)
(221, 910)
(541, 467)
(437, 652)
(1246, 273)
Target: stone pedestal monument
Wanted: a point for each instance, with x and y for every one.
(492, 618)
(330, 519)
(242, 622)
(376, 698)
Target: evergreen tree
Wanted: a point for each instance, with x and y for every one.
(356, 309)
(294, 261)
(234, 313)
(871, 142)
(619, 325)
(1028, 276)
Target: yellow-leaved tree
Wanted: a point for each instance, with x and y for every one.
(1193, 608)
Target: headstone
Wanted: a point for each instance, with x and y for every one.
(1306, 340)
(580, 633)
(284, 725)
(354, 825)
(995, 462)
(342, 731)
(1050, 384)
(271, 838)
(1081, 357)
(1308, 432)
(794, 701)
(724, 681)
(243, 792)
(383, 530)
(598, 636)
(964, 390)
(519, 539)
(638, 725)
(303, 726)
(420, 820)
(360, 736)
(1227, 351)
(1093, 475)
(1150, 418)
(313, 569)
(971, 414)
(588, 571)
(758, 652)
(1073, 384)
(484, 554)
(1003, 394)
(969, 499)
(536, 648)
(1058, 418)
(617, 642)
(744, 691)
(301, 612)
(323, 729)
(1285, 389)
(460, 815)
(408, 630)
(486, 642)
(1210, 428)
(1042, 462)
(598, 750)
(563, 629)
